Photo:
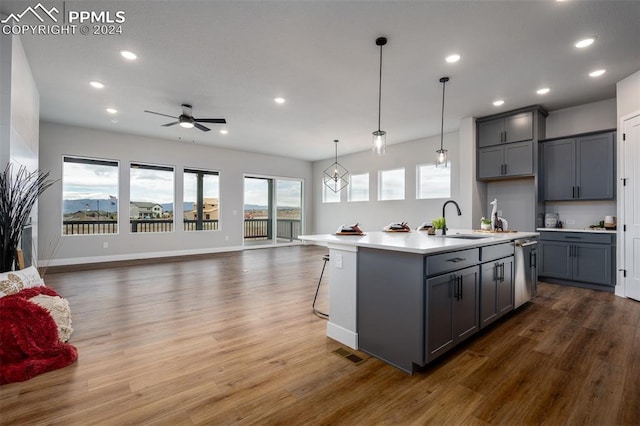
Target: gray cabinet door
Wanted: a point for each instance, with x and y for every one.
(466, 306)
(559, 169)
(489, 274)
(518, 127)
(490, 132)
(490, 162)
(518, 159)
(592, 263)
(496, 290)
(595, 172)
(440, 300)
(554, 260)
(505, 287)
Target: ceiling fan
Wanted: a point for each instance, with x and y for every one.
(187, 120)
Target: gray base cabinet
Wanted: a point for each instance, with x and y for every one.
(578, 257)
(496, 289)
(452, 310)
(579, 168)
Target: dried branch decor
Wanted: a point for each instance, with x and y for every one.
(18, 193)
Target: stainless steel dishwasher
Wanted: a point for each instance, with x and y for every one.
(526, 270)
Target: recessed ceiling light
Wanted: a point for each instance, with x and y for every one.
(543, 91)
(96, 84)
(112, 110)
(224, 131)
(586, 42)
(279, 100)
(115, 120)
(127, 54)
(597, 73)
(498, 102)
(452, 58)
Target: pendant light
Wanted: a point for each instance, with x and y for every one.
(380, 136)
(335, 176)
(441, 154)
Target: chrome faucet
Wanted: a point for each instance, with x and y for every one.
(444, 230)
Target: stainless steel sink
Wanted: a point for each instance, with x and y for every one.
(468, 236)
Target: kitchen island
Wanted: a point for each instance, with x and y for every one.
(407, 298)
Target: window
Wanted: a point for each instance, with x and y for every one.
(328, 196)
(391, 184)
(89, 196)
(433, 182)
(201, 206)
(359, 187)
(151, 198)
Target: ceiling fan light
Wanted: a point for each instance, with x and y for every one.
(186, 124)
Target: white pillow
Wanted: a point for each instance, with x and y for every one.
(13, 281)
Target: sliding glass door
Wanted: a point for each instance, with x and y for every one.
(272, 210)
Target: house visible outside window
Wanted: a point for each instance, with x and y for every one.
(151, 198)
(89, 196)
(391, 184)
(201, 205)
(328, 196)
(359, 187)
(432, 181)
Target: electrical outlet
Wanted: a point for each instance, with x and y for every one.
(105, 245)
(338, 261)
(570, 222)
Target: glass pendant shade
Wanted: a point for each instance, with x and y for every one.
(336, 177)
(379, 142)
(441, 158)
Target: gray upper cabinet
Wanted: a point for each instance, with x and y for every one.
(506, 143)
(509, 160)
(513, 128)
(579, 168)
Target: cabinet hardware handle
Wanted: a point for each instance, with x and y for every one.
(571, 237)
(502, 272)
(533, 260)
(573, 192)
(505, 169)
(456, 290)
(460, 286)
(456, 259)
(495, 272)
(578, 191)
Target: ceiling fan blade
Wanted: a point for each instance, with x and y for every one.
(159, 113)
(171, 124)
(201, 127)
(211, 120)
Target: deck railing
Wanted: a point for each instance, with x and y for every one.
(253, 228)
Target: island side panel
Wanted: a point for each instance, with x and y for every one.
(342, 294)
(391, 306)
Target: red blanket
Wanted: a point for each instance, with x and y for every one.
(29, 343)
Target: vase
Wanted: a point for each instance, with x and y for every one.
(438, 231)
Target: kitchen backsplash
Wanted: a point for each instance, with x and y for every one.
(581, 214)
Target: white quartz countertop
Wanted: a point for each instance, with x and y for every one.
(417, 241)
(590, 231)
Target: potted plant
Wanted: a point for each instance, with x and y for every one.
(19, 191)
(439, 223)
(485, 224)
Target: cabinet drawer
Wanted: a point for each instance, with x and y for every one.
(497, 251)
(577, 237)
(445, 262)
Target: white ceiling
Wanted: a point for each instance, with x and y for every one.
(232, 58)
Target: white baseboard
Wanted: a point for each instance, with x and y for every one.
(342, 335)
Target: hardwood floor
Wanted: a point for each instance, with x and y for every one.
(231, 339)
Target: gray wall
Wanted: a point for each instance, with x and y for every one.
(58, 140)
